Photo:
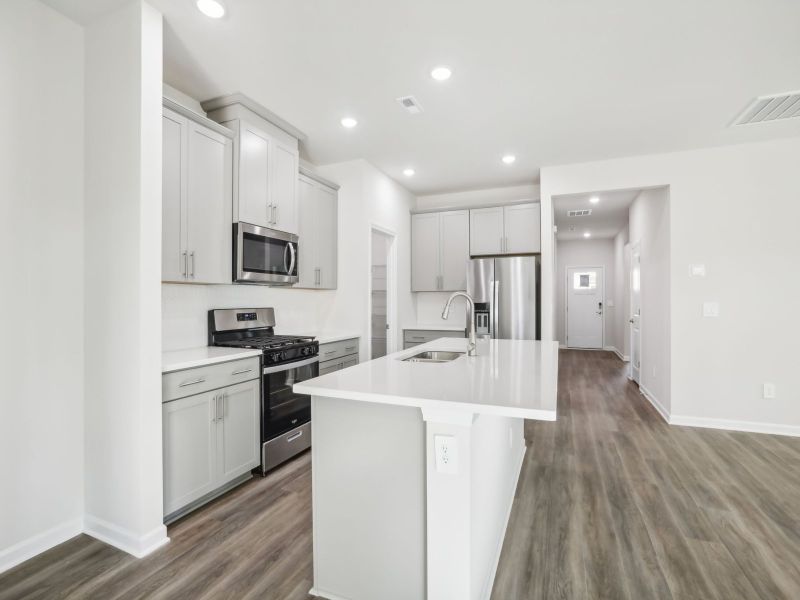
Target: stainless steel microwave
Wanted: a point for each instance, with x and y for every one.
(262, 255)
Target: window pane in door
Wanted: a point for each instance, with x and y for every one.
(584, 281)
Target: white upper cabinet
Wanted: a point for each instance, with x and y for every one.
(425, 242)
(523, 228)
(486, 231)
(318, 223)
(514, 229)
(265, 163)
(196, 199)
(439, 251)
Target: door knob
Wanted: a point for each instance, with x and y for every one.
(630, 320)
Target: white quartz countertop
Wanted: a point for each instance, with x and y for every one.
(177, 360)
(516, 378)
(324, 337)
(435, 327)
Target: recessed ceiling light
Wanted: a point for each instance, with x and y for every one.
(211, 8)
(509, 158)
(586, 234)
(348, 122)
(594, 199)
(409, 172)
(441, 73)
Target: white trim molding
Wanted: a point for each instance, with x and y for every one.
(326, 595)
(656, 403)
(41, 542)
(127, 541)
(731, 425)
(622, 357)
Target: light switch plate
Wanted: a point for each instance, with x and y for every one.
(769, 391)
(710, 309)
(610, 304)
(446, 449)
(697, 270)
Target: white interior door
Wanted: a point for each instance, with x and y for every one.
(585, 307)
(636, 313)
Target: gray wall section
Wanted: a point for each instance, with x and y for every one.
(369, 500)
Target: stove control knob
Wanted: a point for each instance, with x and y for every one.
(305, 351)
(275, 357)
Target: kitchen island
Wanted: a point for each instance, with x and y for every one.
(415, 466)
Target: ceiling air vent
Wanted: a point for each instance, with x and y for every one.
(585, 212)
(410, 104)
(770, 108)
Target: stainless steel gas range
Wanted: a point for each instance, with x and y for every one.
(286, 360)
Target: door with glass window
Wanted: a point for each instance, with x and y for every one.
(584, 307)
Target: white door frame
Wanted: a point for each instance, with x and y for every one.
(391, 290)
(566, 304)
(635, 248)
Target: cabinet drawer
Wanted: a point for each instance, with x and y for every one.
(195, 381)
(336, 350)
(421, 336)
(337, 364)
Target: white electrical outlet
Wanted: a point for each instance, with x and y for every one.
(710, 309)
(697, 270)
(769, 391)
(446, 449)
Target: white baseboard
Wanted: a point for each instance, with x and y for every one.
(127, 541)
(41, 542)
(622, 357)
(656, 404)
(487, 591)
(562, 346)
(748, 426)
(321, 594)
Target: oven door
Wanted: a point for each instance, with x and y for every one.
(264, 255)
(284, 409)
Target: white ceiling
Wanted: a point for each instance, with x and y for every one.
(552, 82)
(608, 216)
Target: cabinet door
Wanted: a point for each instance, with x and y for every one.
(209, 206)
(189, 449)
(350, 361)
(308, 224)
(254, 173)
(523, 228)
(173, 197)
(454, 233)
(425, 252)
(238, 430)
(283, 188)
(329, 367)
(486, 231)
(328, 236)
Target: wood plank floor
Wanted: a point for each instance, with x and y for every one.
(612, 503)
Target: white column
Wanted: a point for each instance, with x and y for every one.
(122, 418)
(448, 506)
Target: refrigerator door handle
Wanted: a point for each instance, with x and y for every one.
(495, 307)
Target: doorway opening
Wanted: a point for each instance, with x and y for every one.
(381, 292)
(585, 295)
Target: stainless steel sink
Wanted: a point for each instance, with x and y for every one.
(434, 356)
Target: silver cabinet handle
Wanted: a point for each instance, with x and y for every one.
(269, 213)
(329, 352)
(294, 437)
(275, 218)
(192, 382)
(241, 372)
(191, 256)
(214, 418)
(417, 337)
(185, 261)
(349, 347)
(219, 408)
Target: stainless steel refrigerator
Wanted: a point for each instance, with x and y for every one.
(506, 295)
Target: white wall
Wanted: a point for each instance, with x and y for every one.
(585, 253)
(735, 210)
(41, 267)
(123, 469)
(620, 332)
(472, 198)
(648, 226)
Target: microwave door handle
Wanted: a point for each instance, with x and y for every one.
(285, 248)
(294, 258)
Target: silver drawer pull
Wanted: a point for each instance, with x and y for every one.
(294, 437)
(349, 347)
(330, 352)
(417, 337)
(193, 382)
(241, 372)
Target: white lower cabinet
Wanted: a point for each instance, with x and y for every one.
(210, 439)
(335, 356)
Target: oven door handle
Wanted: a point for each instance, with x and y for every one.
(291, 365)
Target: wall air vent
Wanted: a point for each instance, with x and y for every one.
(770, 108)
(410, 104)
(585, 212)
